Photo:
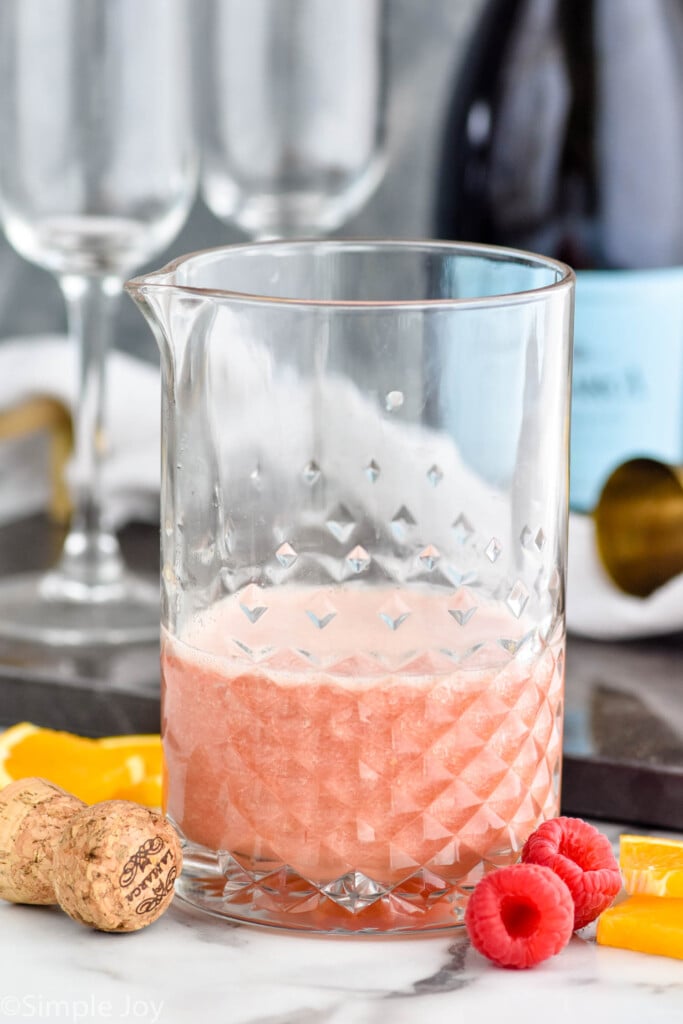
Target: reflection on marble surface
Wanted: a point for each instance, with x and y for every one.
(190, 968)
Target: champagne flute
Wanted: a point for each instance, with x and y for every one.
(293, 101)
(98, 171)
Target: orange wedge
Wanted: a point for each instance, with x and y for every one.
(651, 866)
(647, 924)
(148, 747)
(147, 791)
(113, 768)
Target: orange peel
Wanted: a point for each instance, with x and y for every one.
(651, 866)
(115, 767)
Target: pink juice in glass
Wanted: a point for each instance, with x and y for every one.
(360, 732)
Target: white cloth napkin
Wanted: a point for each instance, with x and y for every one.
(46, 365)
(597, 609)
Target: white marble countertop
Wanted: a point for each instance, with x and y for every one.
(193, 968)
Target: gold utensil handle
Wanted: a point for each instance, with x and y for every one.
(639, 525)
(32, 416)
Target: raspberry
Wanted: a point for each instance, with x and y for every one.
(583, 859)
(520, 915)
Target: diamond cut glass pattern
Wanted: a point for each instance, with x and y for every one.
(532, 541)
(394, 612)
(462, 529)
(340, 523)
(435, 475)
(362, 625)
(401, 523)
(286, 555)
(311, 473)
(321, 611)
(252, 603)
(517, 599)
(372, 471)
(439, 779)
(462, 579)
(493, 550)
(429, 557)
(358, 559)
(462, 615)
(354, 891)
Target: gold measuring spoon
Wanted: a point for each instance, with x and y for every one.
(639, 525)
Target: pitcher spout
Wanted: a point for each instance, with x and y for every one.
(150, 294)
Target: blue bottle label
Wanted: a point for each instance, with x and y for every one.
(628, 374)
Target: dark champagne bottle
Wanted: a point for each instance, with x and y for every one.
(565, 137)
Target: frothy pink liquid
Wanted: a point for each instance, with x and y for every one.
(438, 751)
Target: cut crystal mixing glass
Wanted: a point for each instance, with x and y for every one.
(364, 511)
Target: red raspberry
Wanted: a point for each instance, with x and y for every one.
(583, 859)
(520, 915)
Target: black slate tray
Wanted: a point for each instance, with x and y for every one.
(623, 747)
(623, 743)
(96, 692)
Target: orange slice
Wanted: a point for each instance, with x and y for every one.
(10, 739)
(148, 747)
(651, 866)
(147, 791)
(85, 767)
(647, 924)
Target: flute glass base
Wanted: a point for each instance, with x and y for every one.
(48, 609)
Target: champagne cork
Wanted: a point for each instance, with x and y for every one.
(111, 866)
(115, 866)
(33, 813)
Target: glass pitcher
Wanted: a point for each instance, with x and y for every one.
(364, 512)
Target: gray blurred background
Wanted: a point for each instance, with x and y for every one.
(425, 44)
